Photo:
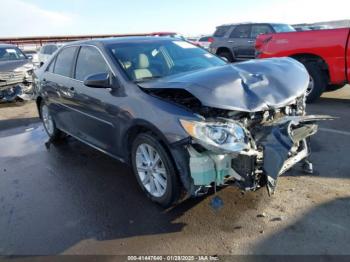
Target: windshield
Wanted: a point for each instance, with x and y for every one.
(11, 53)
(280, 28)
(145, 60)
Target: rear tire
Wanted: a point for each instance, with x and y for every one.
(227, 55)
(49, 123)
(149, 174)
(318, 82)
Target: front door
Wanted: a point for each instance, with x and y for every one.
(257, 29)
(241, 41)
(94, 115)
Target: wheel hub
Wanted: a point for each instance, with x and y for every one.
(151, 170)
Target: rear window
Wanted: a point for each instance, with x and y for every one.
(241, 31)
(221, 30)
(64, 61)
(280, 28)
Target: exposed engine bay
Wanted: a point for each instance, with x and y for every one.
(272, 142)
(252, 126)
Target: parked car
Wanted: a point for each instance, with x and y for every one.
(15, 74)
(184, 119)
(311, 27)
(204, 41)
(33, 55)
(324, 53)
(168, 34)
(237, 41)
(46, 51)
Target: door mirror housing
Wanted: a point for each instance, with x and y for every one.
(101, 80)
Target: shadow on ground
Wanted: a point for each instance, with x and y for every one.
(315, 231)
(50, 201)
(17, 122)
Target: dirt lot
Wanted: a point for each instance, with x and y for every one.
(75, 200)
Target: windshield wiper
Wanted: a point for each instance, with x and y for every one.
(147, 78)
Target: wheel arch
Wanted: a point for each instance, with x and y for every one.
(141, 126)
(224, 49)
(309, 57)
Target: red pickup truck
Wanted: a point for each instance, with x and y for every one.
(324, 53)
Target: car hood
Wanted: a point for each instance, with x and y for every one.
(251, 86)
(8, 66)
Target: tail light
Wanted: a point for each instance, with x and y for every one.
(210, 40)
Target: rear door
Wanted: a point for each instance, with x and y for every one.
(58, 82)
(93, 118)
(240, 41)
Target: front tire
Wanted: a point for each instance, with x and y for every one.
(227, 56)
(49, 123)
(154, 170)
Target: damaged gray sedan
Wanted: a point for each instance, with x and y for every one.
(183, 118)
(15, 74)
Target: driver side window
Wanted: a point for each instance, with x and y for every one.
(241, 31)
(89, 62)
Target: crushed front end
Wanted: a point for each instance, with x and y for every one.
(16, 84)
(249, 149)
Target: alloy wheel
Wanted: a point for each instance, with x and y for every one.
(311, 86)
(151, 170)
(47, 120)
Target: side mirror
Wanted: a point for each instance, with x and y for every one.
(41, 64)
(101, 80)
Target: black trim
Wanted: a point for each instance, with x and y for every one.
(346, 57)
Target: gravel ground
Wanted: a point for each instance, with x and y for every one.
(75, 200)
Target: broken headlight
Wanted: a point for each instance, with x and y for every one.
(229, 137)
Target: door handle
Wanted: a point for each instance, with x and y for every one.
(230, 41)
(251, 41)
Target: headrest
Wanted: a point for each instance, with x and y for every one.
(143, 61)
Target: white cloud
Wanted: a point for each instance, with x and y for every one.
(19, 18)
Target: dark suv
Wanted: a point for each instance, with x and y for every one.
(183, 118)
(237, 41)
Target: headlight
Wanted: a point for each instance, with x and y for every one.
(229, 137)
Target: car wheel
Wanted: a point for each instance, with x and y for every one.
(227, 56)
(154, 170)
(317, 83)
(49, 123)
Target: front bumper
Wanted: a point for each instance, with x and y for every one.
(23, 90)
(279, 147)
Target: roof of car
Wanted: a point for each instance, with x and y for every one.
(250, 23)
(127, 39)
(6, 45)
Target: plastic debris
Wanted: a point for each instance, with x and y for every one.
(217, 203)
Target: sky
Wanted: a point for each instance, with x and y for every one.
(188, 17)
